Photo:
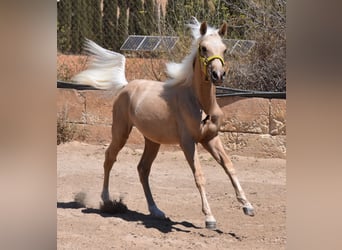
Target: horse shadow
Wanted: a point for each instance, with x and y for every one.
(163, 225)
(70, 205)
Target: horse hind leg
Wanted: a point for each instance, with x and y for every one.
(120, 133)
(144, 168)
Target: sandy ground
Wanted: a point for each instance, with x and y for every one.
(79, 170)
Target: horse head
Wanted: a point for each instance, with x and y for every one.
(211, 52)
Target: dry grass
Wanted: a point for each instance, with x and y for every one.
(265, 67)
(66, 131)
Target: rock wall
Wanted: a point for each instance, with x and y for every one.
(251, 127)
(254, 126)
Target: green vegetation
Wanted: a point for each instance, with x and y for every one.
(109, 22)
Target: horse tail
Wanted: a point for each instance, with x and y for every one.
(106, 69)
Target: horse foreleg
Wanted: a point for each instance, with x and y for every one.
(215, 147)
(144, 168)
(190, 151)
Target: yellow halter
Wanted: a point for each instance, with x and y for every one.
(205, 62)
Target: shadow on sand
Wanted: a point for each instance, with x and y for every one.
(163, 225)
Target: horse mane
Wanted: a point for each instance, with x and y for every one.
(181, 73)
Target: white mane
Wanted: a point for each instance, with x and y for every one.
(181, 73)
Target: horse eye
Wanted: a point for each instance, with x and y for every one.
(225, 51)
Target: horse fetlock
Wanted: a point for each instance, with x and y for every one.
(105, 195)
(242, 199)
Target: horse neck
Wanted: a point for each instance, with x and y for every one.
(205, 91)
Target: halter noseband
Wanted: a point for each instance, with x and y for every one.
(205, 61)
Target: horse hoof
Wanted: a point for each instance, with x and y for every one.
(248, 210)
(157, 213)
(210, 224)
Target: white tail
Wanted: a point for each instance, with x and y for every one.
(106, 69)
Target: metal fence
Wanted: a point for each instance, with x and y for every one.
(256, 41)
(107, 22)
(221, 91)
(110, 22)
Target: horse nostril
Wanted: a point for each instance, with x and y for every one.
(214, 76)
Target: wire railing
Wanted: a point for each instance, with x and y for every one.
(221, 91)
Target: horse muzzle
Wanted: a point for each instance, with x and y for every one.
(213, 68)
(215, 71)
(217, 77)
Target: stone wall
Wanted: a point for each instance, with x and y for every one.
(252, 126)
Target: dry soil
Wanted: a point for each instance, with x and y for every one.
(79, 170)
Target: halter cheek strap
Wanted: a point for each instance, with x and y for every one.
(205, 62)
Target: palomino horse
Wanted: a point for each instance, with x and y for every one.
(183, 111)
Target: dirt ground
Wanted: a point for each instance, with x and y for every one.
(79, 170)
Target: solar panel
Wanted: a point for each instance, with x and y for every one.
(239, 47)
(167, 42)
(149, 43)
(132, 43)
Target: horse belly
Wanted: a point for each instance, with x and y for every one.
(159, 133)
(157, 129)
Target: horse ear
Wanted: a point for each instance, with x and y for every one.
(223, 29)
(203, 28)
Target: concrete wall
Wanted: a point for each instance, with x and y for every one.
(252, 126)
